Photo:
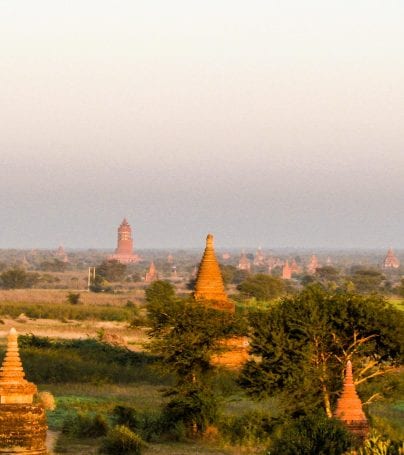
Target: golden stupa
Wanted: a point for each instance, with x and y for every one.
(209, 287)
(209, 282)
(22, 423)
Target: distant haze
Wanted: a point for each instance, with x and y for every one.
(273, 123)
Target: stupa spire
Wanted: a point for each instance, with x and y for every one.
(349, 406)
(14, 388)
(209, 282)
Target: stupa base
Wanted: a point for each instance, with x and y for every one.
(22, 429)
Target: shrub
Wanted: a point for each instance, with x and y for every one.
(194, 408)
(73, 298)
(313, 434)
(127, 416)
(85, 426)
(122, 440)
(247, 429)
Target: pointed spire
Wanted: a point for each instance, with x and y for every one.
(209, 282)
(14, 388)
(349, 406)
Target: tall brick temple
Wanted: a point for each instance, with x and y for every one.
(124, 251)
(22, 423)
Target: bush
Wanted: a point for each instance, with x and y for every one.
(193, 409)
(121, 440)
(73, 298)
(127, 416)
(313, 434)
(248, 429)
(85, 426)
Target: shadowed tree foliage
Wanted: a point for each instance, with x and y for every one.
(18, 279)
(112, 270)
(305, 341)
(366, 280)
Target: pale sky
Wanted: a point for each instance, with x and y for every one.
(273, 123)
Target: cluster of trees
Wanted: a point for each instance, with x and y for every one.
(300, 347)
(17, 278)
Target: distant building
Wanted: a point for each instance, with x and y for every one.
(391, 261)
(124, 251)
(244, 263)
(151, 274)
(226, 256)
(286, 271)
(313, 265)
(259, 258)
(61, 254)
(295, 268)
(170, 259)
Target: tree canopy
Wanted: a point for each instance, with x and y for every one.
(262, 287)
(304, 342)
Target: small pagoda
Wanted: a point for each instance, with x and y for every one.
(349, 407)
(313, 265)
(22, 423)
(151, 274)
(391, 261)
(209, 288)
(286, 271)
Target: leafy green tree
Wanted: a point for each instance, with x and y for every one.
(112, 270)
(366, 280)
(262, 287)
(185, 335)
(18, 279)
(304, 342)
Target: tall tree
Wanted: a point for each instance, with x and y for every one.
(304, 342)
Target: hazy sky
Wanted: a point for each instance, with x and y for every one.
(273, 123)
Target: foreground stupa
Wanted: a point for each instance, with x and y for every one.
(22, 423)
(209, 288)
(209, 282)
(349, 407)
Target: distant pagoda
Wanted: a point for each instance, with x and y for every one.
(151, 274)
(391, 261)
(124, 251)
(349, 407)
(259, 258)
(61, 254)
(22, 423)
(313, 265)
(286, 271)
(209, 288)
(244, 263)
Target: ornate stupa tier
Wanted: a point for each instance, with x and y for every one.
(22, 423)
(14, 388)
(209, 282)
(349, 406)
